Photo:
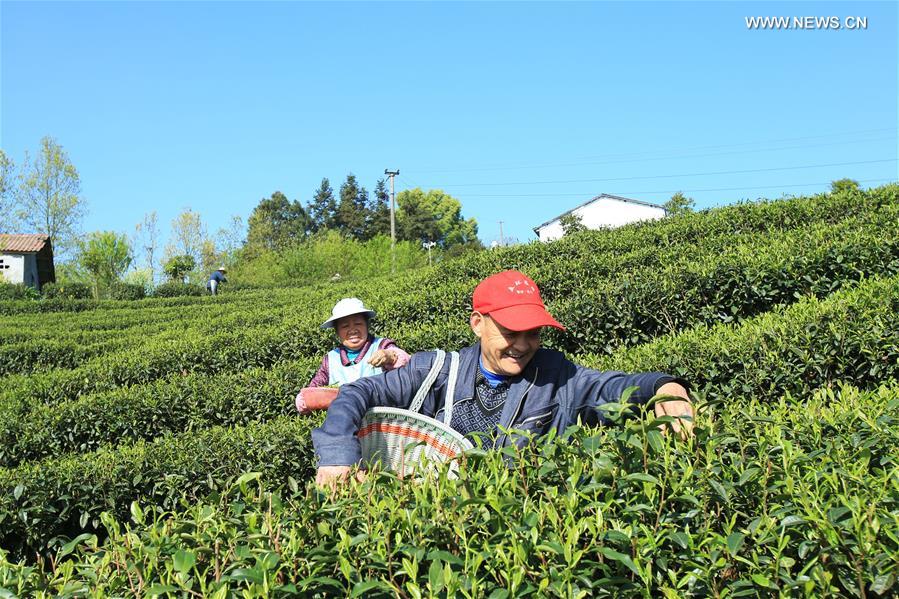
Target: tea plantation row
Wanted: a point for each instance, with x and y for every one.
(160, 434)
(831, 340)
(767, 500)
(628, 309)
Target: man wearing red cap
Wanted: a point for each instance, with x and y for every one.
(506, 381)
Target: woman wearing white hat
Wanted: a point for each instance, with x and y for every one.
(359, 354)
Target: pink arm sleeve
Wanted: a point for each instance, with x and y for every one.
(402, 358)
(322, 376)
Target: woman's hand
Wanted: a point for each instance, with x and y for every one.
(384, 358)
(302, 408)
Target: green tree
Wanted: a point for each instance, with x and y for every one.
(378, 213)
(276, 223)
(322, 209)
(106, 255)
(844, 185)
(49, 196)
(352, 212)
(6, 189)
(178, 267)
(571, 223)
(434, 216)
(678, 204)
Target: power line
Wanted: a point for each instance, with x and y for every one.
(670, 156)
(642, 156)
(710, 173)
(591, 194)
(409, 182)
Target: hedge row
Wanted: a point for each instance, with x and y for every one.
(833, 338)
(716, 285)
(83, 307)
(606, 314)
(119, 314)
(25, 357)
(730, 287)
(177, 404)
(589, 261)
(853, 336)
(48, 348)
(570, 267)
(209, 355)
(769, 500)
(43, 502)
(738, 219)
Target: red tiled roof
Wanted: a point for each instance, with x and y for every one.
(32, 242)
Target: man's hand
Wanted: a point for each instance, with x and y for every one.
(676, 408)
(331, 476)
(383, 357)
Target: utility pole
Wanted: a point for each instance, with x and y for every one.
(502, 241)
(392, 174)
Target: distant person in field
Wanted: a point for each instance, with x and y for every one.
(359, 353)
(505, 381)
(216, 279)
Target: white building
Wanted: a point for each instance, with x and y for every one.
(26, 259)
(603, 211)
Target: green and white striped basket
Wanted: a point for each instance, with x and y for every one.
(402, 440)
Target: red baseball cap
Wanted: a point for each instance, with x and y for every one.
(513, 300)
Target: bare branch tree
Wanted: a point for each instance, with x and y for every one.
(49, 196)
(146, 235)
(7, 216)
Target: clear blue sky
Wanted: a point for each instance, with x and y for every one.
(521, 111)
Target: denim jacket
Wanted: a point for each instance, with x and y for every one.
(551, 393)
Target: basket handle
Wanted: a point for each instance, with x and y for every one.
(451, 388)
(428, 382)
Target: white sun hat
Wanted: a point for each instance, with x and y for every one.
(346, 307)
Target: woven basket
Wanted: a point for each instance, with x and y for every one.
(400, 440)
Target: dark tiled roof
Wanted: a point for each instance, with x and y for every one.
(23, 243)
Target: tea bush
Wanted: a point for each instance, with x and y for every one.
(632, 308)
(17, 291)
(767, 500)
(127, 291)
(175, 289)
(66, 291)
(718, 378)
(43, 502)
(178, 404)
(151, 448)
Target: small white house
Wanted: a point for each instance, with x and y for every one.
(26, 259)
(603, 211)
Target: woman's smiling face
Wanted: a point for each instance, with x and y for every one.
(352, 331)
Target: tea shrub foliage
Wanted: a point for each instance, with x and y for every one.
(151, 448)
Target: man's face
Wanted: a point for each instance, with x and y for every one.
(504, 351)
(352, 331)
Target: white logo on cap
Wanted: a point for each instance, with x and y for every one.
(528, 288)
